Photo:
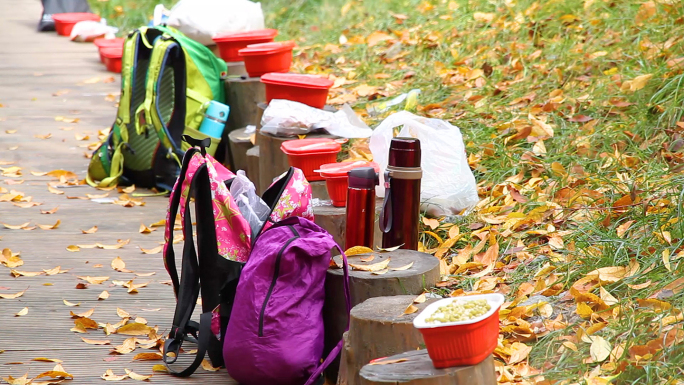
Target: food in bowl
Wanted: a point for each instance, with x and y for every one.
(458, 311)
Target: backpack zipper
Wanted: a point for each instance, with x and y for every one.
(276, 272)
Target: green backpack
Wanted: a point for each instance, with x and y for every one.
(167, 80)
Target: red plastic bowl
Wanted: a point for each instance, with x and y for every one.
(461, 343)
(311, 90)
(337, 179)
(261, 59)
(112, 58)
(229, 44)
(108, 43)
(64, 22)
(309, 154)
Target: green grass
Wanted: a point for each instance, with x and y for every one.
(549, 60)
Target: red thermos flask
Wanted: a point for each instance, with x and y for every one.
(401, 207)
(361, 207)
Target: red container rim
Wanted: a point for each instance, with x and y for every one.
(297, 80)
(338, 170)
(107, 43)
(112, 52)
(246, 36)
(267, 48)
(74, 17)
(310, 146)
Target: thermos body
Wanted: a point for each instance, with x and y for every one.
(405, 214)
(401, 207)
(360, 226)
(360, 218)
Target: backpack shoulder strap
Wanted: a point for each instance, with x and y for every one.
(337, 349)
(188, 287)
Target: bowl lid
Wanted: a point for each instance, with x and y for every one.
(299, 80)
(257, 34)
(267, 48)
(310, 146)
(342, 168)
(75, 16)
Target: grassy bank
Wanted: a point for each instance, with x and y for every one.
(570, 111)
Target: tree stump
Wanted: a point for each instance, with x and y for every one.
(253, 166)
(236, 69)
(379, 328)
(423, 274)
(319, 190)
(333, 220)
(240, 143)
(242, 95)
(262, 107)
(418, 370)
(273, 161)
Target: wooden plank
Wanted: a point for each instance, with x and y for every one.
(35, 67)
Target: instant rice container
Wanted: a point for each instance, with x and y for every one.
(64, 22)
(263, 58)
(463, 342)
(309, 154)
(337, 180)
(230, 44)
(311, 90)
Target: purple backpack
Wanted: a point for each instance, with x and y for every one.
(275, 332)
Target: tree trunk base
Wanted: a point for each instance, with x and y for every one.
(417, 369)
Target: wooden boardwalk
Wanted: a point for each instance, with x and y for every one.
(45, 81)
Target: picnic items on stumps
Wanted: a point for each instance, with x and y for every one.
(448, 186)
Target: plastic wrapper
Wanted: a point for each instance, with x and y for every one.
(91, 30)
(448, 186)
(251, 206)
(202, 19)
(288, 118)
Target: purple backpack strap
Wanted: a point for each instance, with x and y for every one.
(337, 349)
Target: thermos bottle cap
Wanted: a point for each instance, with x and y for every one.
(363, 178)
(404, 152)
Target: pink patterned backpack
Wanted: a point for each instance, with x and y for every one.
(224, 242)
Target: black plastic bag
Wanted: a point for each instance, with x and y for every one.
(51, 7)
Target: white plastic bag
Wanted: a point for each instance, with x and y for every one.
(202, 19)
(89, 30)
(448, 185)
(288, 118)
(251, 206)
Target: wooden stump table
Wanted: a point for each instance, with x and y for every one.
(253, 166)
(423, 274)
(243, 94)
(240, 143)
(417, 369)
(379, 328)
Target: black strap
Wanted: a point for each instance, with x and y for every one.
(386, 212)
(174, 203)
(172, 345)
(203, 144)
(188, 288)
(338, 348)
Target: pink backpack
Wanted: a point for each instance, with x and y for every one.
(224, 244)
